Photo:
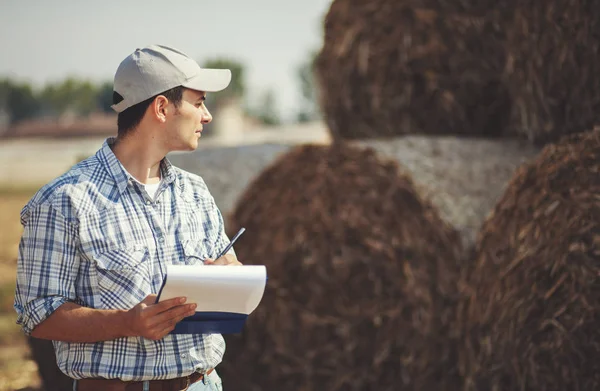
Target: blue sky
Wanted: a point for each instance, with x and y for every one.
(44, 41)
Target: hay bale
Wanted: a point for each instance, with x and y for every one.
(553, 67)
(42, 351)
(362, 276)
(392, 67)
(533, 316)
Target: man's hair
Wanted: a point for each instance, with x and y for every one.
(130, 118)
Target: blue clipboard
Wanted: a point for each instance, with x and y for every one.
(208, 322)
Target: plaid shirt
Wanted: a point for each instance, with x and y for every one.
(93, 237)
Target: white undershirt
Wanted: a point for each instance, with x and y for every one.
(151, 189)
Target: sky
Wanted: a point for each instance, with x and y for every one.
(46, 41)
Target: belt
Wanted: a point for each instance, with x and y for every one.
(177, 384)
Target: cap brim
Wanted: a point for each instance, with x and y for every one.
(209, 80)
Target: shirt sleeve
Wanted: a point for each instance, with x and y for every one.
(47, 266)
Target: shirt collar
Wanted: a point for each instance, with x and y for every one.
(121, 177)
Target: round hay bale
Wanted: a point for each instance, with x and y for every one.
(392, 67)
(362, 275)
(42, 351)
(534, 310)
(553, 66)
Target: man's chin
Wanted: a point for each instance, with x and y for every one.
(193, 144)
(186, 147)
(196, 140)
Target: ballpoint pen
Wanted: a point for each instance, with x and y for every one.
(228, 247)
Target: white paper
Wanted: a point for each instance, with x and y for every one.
(217, 288)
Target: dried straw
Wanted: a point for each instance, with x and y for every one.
(392, 67)
(362, 276)
(534, 310)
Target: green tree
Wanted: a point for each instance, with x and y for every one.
(236, 88)
(309, 109)
(18, 100)
(78, 96)
(5, 88)
(267, 111)
(105, 97)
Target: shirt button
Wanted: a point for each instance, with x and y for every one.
(161, 239)
(148, 202)
(183, 355)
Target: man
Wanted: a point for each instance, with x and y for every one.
(97, 240)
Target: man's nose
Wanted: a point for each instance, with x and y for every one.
(206, 116)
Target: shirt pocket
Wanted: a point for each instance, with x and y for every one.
(123, 277)
(196, 251)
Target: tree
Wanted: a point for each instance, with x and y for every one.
(267, 111)
(18, 100)
(236, 88)
(309, 109)
(5, 87)
(105, 97)
(73, 95)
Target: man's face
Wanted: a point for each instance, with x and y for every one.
(187, 121)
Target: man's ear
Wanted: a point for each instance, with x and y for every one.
(160, 108)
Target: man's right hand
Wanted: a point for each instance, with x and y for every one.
(155, 320)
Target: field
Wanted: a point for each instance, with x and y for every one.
(17, 370)
(463, 177)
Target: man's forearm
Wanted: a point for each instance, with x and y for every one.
(74, 323)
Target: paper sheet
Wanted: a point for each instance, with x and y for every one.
(217, 288)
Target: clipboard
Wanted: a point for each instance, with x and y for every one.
(225, 295)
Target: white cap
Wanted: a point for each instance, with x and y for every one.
(154, 69)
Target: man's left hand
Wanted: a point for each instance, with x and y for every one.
(227, 260)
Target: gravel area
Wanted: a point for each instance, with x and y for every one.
(227, 171)
(463, 177)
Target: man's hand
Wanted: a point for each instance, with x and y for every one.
(154, 321)
(227, 260)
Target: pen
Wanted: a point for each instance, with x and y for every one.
(240, 232)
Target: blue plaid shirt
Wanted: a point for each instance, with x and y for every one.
(94, 237)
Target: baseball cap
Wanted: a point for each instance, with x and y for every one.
(154, 69)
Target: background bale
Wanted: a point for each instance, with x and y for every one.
(362, 275)
(42, 351)
(534, 310)
(527, 68)
(553, 68)
(392, 67)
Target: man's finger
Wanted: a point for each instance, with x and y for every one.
(227, 259)
(174, 315)
(150, 299)
(163, 306)
(163, 333)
